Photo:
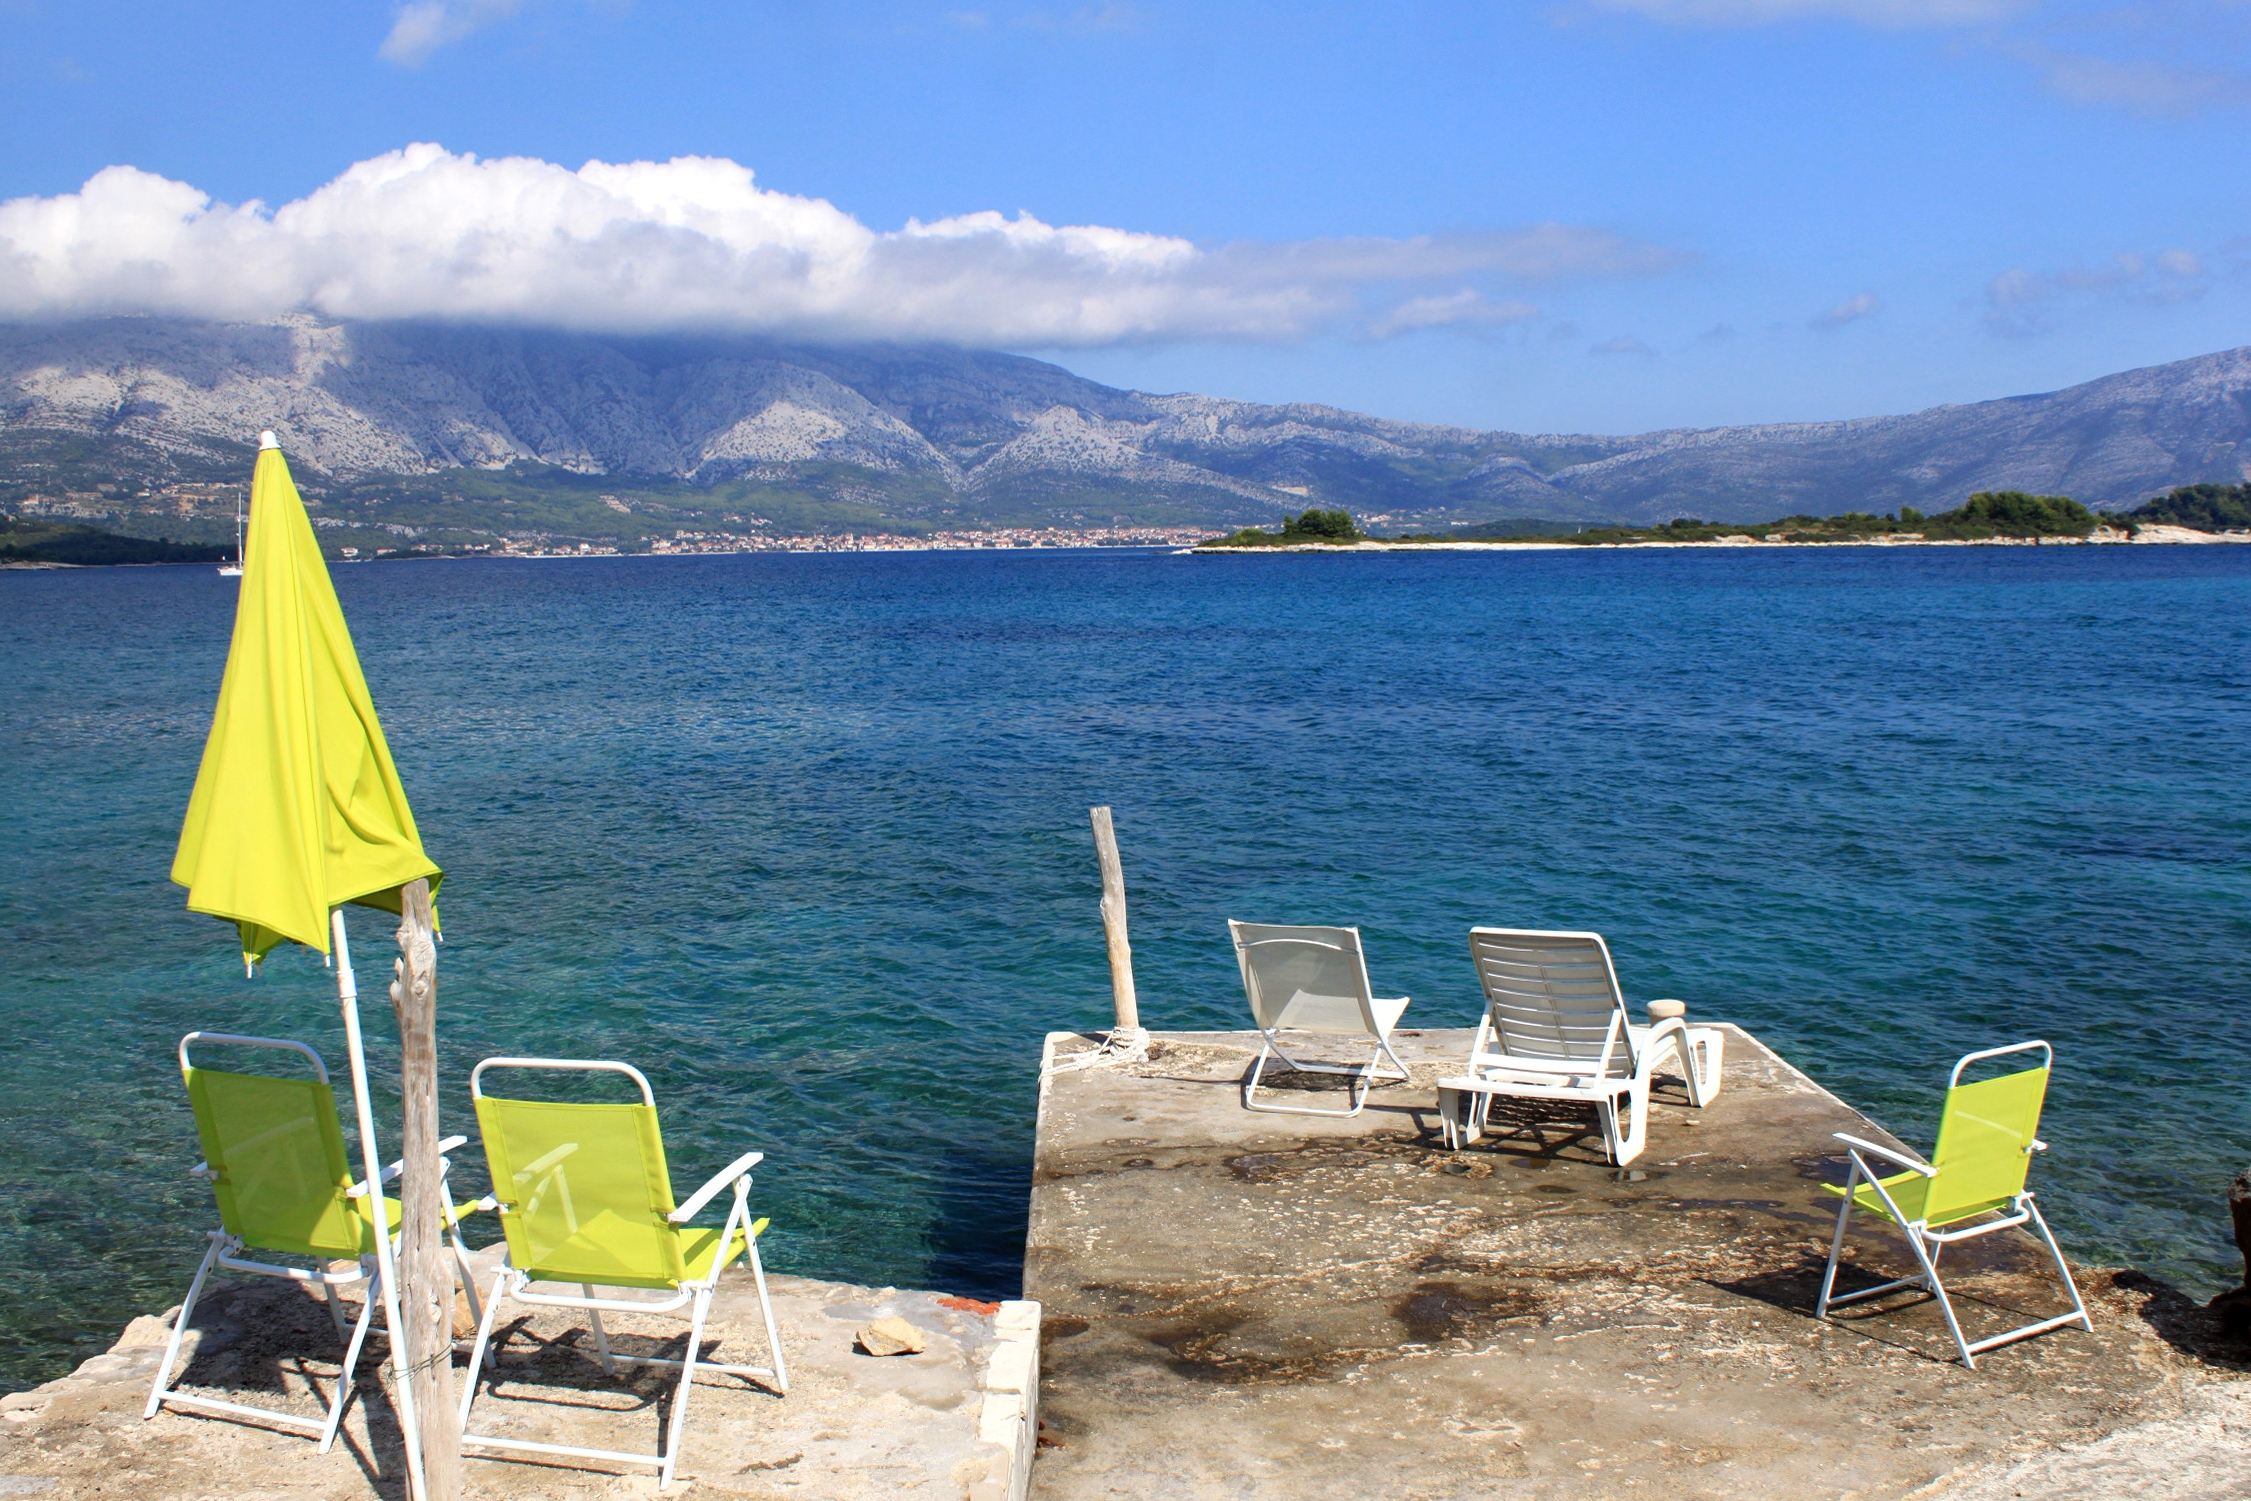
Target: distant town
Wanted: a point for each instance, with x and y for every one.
(730, 542)
(207, 512)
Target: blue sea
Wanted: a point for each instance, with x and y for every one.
(805, 838)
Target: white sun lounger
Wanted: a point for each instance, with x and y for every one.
(1314, 980)
(1556, 1028)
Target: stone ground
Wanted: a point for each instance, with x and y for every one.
(1265, 1306)
(851, 1426)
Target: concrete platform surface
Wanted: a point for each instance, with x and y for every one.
(853, 1425)
(1266, 1306)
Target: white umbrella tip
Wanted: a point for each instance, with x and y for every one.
(267, 440)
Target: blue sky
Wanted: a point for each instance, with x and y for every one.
(1593, 215)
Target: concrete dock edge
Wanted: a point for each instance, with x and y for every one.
(1009, 1419)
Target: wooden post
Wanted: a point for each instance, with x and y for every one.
(424, 1347)
(1114, 923)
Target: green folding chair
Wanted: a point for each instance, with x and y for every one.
(585, 1197)
(274, 1153)
(1986, 1138)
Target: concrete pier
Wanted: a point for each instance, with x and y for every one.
(1272, 1306)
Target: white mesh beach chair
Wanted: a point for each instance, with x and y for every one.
(1313, 980)
(1556, 1028)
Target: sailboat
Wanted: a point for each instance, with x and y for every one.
(234, 570)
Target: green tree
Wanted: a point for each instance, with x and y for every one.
(1316, 525)
(2014, 513)
(2207, 508)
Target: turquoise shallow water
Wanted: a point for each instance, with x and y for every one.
(805, 837)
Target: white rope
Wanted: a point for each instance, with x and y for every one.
(1120, 1045)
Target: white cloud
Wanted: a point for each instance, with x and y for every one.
(695, 243)
(1451, 309)
(2016, 300)
(1110, 17)
(1851, 310)
(2157, 88)
(1623, 344)
(2173, 57)
(1539, 253)
(1891, 15)
(426, 25)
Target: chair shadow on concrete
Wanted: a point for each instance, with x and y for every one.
(1422, 1114)
(1908, 1320)
(273, 1343)
(1551, 1127)
(1541, 1132)
(570, 1361)
(563, 1371)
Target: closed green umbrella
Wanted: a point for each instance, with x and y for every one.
(298, 812)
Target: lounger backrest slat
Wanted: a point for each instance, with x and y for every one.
(583, 1191)
(1552, 996)
(1305, 979)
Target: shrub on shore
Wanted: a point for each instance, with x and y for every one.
(1986, 515)
(2203, 508)
(2013, 513)
(1313, 525)
(91, 547)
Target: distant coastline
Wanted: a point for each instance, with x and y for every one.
(2101, 538)
(2202, 512)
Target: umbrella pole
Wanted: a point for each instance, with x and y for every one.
(348, 997)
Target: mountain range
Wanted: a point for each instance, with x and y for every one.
(928, 436)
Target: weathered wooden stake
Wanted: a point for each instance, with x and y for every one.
(424, 1348)
(1114, 922)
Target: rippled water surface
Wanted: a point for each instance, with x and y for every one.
(805, 838)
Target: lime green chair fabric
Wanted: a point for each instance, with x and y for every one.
(276, 1156)
(1984, 1153)
(1985, 1138)
(584, 1192)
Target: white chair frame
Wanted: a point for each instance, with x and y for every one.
(223, 1255)
(1373, 1016)
(1615, 1077)
(1927, 1244)
(511, 1285)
